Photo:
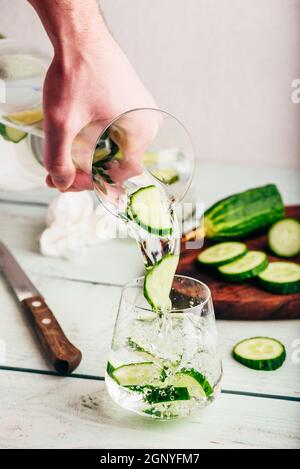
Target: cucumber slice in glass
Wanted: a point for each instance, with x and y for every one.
(281, 277)
(195, 382)
(155, 395)
(148, 211)
(139, 374)
(248, 266)
(260, 353)
(284, 238)
(158, 282)
(222, 253)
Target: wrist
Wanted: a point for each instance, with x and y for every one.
(71, 25)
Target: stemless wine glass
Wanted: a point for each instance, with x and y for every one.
(165, 366)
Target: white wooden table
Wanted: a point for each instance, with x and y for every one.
(39, 409)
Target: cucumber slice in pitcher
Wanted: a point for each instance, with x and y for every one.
(148, 211)
(281, 277)
(12, 135)
(222, 253)
(260, 353)
(284, 237)
(158, 282)
(166, 175)
(137, 374)
(248, 266)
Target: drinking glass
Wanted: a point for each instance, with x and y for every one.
(165, 366)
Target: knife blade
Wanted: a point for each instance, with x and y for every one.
(15, 275)
(62, 355)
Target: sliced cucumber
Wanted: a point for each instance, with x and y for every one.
(11, 134)
(148, 211)
(137, 346)
(155, 395)
(158, 282)
(195, 382)
(139, 374)
(284, 237)
(222, 253)
(260, 353)
(281, 277)
(248, 266)
(166, 175)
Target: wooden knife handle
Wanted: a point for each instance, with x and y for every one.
(61, 353)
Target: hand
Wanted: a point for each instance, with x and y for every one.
(92, 82)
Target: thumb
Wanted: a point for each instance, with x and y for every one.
(58, 158)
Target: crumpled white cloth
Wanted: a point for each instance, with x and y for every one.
(73, 223)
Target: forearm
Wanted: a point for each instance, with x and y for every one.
(71, 22)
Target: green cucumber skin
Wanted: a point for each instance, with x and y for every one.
(200, 378)
(261, 365)
(3, 133)
(279, 288)
(235, 278)
(110, 369)
(241, 214)
(155, 395)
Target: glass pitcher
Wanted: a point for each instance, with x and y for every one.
(139, 147)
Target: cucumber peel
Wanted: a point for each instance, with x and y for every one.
(240, 214)
(260, 353)
(194, 381)
(12, 135)
(155, 395)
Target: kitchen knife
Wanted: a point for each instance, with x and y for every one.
(63, 356)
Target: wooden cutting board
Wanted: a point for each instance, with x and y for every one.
(244, 301)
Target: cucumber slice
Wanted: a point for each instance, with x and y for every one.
(139, 374)
(248, 266)
(260, 353)
(166, 175)
(147, 210)
(195, 382)
(281, 277)
(158, 282)
(11, 134)
(284, 238)
(222, 253)
(138, 347)
(155, 395)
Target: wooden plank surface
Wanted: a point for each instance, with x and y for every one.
(51, 412)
